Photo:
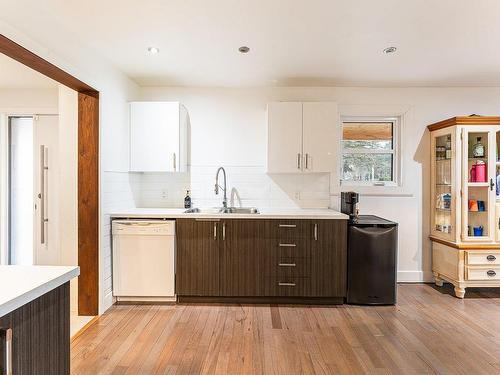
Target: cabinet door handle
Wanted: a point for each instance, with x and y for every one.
(492, 184)
(287, 264)
(287, 245)
(298, 161)
(175, 162)
(42, 195)
(491, 273)
(286, 284)
(307, 161)
(224, 231)
(287, 225)
(7, 336)
(491, 258)
(315, 232)
(215, 231)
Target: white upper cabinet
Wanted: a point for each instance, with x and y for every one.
(301, 137)
(284, 137)
(319, 141)
(158, 137)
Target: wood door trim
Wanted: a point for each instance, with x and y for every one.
(88, 170)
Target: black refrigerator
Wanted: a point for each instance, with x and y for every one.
(372, 261)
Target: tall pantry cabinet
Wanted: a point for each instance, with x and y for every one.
(465, 202)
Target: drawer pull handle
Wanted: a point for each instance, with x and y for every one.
(287, 245)
(491, 258)
(491, 273)
(287, 225)
(286, 284)
(287, 264)
(7, 336)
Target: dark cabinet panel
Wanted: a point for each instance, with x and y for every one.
(244, 244)
(329, 258)
(197, 264)
(40, 335)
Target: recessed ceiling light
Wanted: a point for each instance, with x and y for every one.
(244, 49)
(153, 50)
(389, 50)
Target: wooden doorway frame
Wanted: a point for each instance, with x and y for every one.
(88, 171)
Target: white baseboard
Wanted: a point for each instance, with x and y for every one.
(415, 277)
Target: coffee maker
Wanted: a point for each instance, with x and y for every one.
(349, 204)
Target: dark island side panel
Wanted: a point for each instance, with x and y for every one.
(40, 335)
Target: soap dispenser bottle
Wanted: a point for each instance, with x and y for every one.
(187, 200)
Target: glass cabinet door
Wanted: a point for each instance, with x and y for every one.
(479, 177)
(443, 204)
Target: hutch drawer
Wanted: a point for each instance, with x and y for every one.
(483, 257)
(483, 273)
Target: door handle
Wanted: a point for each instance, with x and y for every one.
(215, 231)
(7, 336)
(307, 161)
(492, 184)
(287, 264)
(287, 245)
(41, 195)
(298, 161)
(175, 162)
(223, 231)
(315, 232)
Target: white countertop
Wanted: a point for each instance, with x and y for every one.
(20, 285)
(174, 213)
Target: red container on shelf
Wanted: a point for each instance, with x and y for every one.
(478, 173)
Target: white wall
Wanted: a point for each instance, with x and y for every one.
(70, 54)
(228, 127)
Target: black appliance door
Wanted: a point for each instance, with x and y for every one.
(372, 260)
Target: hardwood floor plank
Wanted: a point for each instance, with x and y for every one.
(428, 332)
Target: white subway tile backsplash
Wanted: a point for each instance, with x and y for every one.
(247, 186)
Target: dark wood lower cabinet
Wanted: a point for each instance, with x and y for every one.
(40, 335)
(198, 257)
(262, 259)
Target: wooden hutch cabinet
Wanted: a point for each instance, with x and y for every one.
(465, 202)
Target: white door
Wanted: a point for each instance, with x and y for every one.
(46, 172)
(284, 143)
(21, 195)
(154, 136)
(319, 127)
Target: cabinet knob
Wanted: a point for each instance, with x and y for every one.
(491, 258)
(491, 273)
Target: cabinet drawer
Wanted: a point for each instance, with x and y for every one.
(291, 267)
(483, 257)
(292, 229)
(289, 286)
(483, 273)
(291, 248)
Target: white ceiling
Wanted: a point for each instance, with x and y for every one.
(14, 75)
(293, 42)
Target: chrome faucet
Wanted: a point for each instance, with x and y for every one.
(217, 186)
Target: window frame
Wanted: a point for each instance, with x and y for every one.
(395, 152)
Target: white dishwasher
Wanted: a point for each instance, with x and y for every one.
(144, 260)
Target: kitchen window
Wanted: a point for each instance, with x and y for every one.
(370, 151)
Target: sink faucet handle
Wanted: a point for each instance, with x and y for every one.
(216, 189)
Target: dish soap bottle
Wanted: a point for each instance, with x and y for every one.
(187, 200)
(478, 149)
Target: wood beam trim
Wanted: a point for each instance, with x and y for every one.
(88, 204)
(19, 53)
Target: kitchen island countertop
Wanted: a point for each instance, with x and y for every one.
(20, 285)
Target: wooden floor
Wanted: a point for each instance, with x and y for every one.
(428, 332)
